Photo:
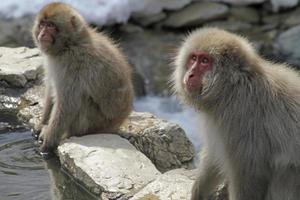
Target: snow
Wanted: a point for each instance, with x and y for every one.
(96, 11)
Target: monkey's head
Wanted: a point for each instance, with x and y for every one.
(209, 62)
(58, 26)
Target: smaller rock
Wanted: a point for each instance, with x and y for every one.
(283, 4)
(149, 20)
(165, 143)
(173, 185)
(106, 164)
(15, 32)
(19, 65)
(274, 20)
(231, 25)
(244, 14)
(31, 104)
(131, 28)
(196, 14)
(240, 2)
(288, 45)
(9, 102)
(156, 6)
(292, 19)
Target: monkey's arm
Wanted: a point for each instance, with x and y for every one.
(64, 107)
(248, 186)
(112, 93)
(48, 104)
(208, 179)
(249, 176)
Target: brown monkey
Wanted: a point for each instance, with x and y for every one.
(252, 107)
(88, 79)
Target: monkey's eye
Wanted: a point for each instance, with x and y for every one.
(41, 25)
(204, 60)
(47, 24)
(194, 58)
(50, 25)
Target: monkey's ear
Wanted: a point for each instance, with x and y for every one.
(74, 22)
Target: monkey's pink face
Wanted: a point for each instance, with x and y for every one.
(197, 64)
(47, 32)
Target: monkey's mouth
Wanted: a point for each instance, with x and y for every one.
(193, 88)
(193, 84)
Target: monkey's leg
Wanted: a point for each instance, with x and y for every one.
(285, 184)
(48, 105)
(248, 186)
(208, 178)
(60, 118)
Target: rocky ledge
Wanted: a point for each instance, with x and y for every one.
(149, 158)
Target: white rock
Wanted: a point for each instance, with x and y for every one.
(19, 65)
(106, 163)
(196, 14)
(149, 7)
(173, 185)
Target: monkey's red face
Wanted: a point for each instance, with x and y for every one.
(197, 64)
(47, 32)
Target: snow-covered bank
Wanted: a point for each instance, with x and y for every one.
(95, 11)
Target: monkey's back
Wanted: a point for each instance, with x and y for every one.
(98, 80)
(284, 116)
(112, 77)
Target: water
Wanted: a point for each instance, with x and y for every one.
(24, 175)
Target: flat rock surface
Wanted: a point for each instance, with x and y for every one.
(173, 185)
(19, 65)
(288, 44)
(106, 163)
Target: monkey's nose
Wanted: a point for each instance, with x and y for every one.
(191, 76)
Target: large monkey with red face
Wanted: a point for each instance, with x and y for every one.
(252, 107)
(88, 80)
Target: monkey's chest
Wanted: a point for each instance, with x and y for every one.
(214, 143)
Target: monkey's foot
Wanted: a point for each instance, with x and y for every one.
(36, 131)
(35, 134)
(45, 152)
(46, 155)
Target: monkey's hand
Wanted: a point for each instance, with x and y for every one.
(36, 131)
(46, 147)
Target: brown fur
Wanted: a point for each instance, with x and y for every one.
(88, 79)
(252, 107)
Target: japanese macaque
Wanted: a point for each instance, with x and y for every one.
(88, 80)
(252, 107)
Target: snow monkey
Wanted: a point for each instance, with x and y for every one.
(88, 80)
(252, 108)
